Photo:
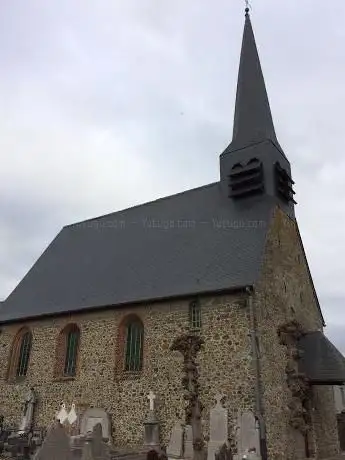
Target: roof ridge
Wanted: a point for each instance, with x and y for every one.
(142, 204)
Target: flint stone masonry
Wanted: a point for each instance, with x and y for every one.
(283, 292)
(124, 396)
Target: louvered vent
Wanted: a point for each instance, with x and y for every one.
(284, 184)
(246, 180)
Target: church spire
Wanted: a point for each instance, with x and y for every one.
(254, 166)
(253, 119)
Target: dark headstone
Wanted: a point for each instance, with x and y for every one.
(19, 446)
(95, 448)
(224, 453)
(56, 445)
(341, 430)
(152, 455)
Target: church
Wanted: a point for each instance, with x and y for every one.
(92, 322)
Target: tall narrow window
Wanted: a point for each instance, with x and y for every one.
(72, 340)
(67, 352)
(134, 346)
(24, 354)
(195, 314)
(20, 355)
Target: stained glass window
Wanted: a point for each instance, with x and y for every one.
(24, 354)
(195, 315)
(134, 346)
(72, 339)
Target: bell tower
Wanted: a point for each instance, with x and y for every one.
(254, 164)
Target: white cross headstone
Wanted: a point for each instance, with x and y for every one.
(151, 397)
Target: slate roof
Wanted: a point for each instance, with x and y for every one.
(321, 361)
(210, 244)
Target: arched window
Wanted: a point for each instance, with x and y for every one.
(130, 344)
(67, 351)
(195, 315)
(20, 355)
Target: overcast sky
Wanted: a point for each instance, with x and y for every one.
(110, 103)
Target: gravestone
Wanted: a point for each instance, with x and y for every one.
(28, 412)
(247, 435)
(20, 444)
(188, 443)
(175, 446)
(95, 448)
(151, 426)
(218, 427)
(152, 455)
(56, 445)
(224, 453)
(91, 417)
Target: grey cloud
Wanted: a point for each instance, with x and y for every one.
(108, 104)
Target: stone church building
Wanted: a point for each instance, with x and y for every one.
(92, 322)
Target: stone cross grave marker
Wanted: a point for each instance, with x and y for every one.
(151, 397)
(28, 411)
(247, 434)
(95, 448)
(175, 446)
(218, 427)
(56, 445)
(151, 426)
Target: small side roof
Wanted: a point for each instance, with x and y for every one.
(321, 361)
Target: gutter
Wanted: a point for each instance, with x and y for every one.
(259, 412)
(119, 305)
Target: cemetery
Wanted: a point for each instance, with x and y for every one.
(88, 436)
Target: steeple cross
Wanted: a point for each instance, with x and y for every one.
(151, 397)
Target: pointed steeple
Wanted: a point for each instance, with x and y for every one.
(253, 119)
(254, 166)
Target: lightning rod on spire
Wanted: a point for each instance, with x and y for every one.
(248, 7)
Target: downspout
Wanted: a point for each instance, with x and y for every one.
(257, 370)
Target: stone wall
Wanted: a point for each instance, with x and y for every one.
(285, 293)
(225, 366)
